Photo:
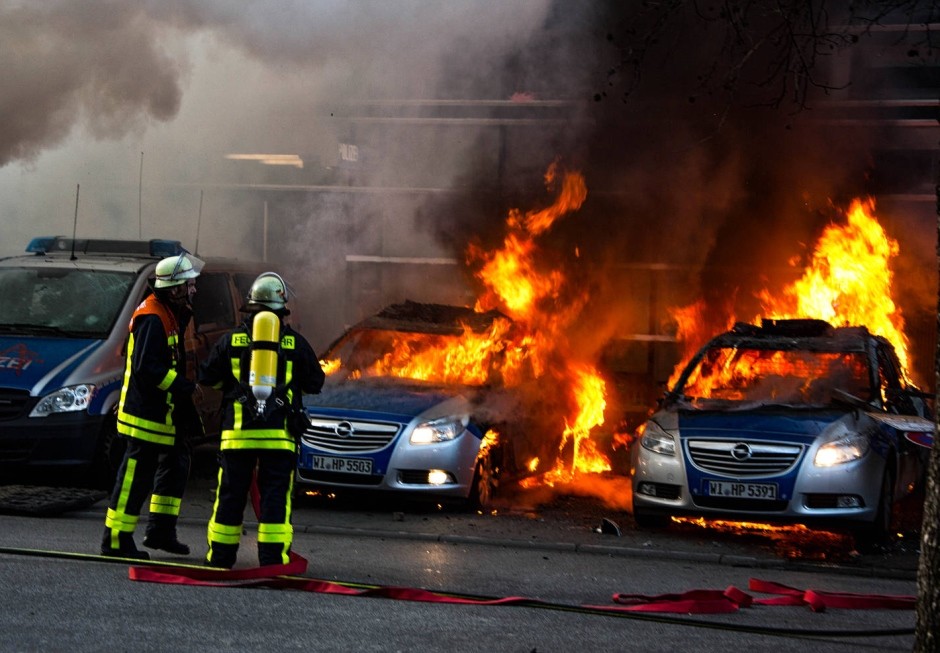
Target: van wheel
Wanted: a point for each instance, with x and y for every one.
(109, 454)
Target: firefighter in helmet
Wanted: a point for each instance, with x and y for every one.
(263, 367)
(156, 415)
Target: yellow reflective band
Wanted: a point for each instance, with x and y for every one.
(167, 380)
(275, 533)
(240, 340)
(121, 521)
(288, 377)
(142, 429)
(268, 439)
(287, 342)
(165, 505)
(238, 410)
(172, 340)
(224, 533)
(127, 372)
(126, 484)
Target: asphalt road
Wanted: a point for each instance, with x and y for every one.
(557, 552)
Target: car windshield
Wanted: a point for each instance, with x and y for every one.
(433, 357)
(791, 377)
(61, 301)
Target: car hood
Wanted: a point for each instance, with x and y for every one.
(34, 364)
(766, 423)
(388, 396)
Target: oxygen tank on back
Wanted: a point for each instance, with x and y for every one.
(262, 374)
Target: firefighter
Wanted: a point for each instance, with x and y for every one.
(157, 416)
(262, 417)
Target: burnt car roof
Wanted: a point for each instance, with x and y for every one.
(797, 334)
(430, 318)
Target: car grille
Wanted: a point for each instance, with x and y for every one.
(12, 403)
(742, 458)
(347, 436)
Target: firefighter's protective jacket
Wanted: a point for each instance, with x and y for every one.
(227, 369)
(155, 371)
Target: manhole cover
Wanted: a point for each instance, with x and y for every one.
(44, 501)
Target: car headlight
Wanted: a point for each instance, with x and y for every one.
(442, 429)
(66, 400)
(657, 440)
(846, 449)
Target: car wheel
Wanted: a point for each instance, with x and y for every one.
(109, 454)
(484, 484)
(879, 531)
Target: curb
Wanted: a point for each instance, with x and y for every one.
(730, 560)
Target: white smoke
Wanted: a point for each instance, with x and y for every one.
(138, 103)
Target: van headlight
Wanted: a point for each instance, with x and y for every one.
(846, 449)
(66, 400)
(657, 440)
(442, 429)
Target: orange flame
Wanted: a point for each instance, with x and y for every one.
(847, 282)
(515, 283)
(519, 282)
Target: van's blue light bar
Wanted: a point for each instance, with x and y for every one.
(157, 248)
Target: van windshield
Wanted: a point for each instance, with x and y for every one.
(61, 301)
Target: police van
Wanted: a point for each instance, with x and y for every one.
(66, 306)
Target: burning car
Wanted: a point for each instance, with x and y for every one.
(793, 420)
(399, 414)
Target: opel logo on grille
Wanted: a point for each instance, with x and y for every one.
(344, 430)
(741, 451)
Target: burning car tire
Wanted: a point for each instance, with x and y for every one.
(484, 484)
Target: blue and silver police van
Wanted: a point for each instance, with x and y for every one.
(66, 305)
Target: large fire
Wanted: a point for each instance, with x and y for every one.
(846, 282)
(531, 345)
(516, 281)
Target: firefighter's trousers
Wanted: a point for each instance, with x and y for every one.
(275, 479)
(154, 470)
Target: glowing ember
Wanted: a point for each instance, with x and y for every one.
(791, 540)
(330, 366)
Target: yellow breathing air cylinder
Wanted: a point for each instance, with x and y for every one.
(262, 375)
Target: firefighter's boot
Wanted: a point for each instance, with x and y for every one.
(161, 534)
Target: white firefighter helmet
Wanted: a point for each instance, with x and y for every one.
(176, 270)
(268, 290)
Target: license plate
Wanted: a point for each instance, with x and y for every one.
(343, 465)
(734, 490)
